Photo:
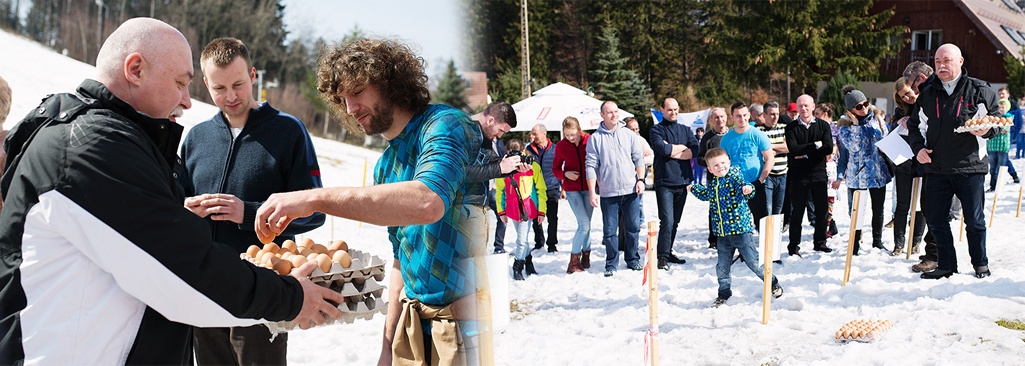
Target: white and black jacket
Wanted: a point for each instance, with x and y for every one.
(100, 263)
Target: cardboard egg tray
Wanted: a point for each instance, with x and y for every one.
(359, 284)
(983, 126)
(863, 330)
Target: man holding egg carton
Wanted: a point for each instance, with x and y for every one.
(420, 192)
(955, 163)
(99, 262)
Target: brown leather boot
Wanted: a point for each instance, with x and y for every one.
(585, 259)
(574, 264)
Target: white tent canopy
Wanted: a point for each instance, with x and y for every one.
(553, 103)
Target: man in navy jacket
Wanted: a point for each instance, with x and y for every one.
(674, 145)
(234, 161)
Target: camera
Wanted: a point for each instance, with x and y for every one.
(524, 158)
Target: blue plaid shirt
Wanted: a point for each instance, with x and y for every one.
(434, 149)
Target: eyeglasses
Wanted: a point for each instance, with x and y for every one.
(862, 105)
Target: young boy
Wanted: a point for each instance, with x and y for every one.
(731, 220)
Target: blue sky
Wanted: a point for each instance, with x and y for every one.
(435, 26)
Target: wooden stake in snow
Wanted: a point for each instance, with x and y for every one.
(651, 268)
(960, 235)
(856, 207)
(916, 191)
(1017, 213)
(769, 230)
(996, 193)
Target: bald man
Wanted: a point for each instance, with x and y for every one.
(955, 164)
(543, 151)
(101, 265)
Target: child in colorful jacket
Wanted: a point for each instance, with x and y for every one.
(730, 221)
(521, 197)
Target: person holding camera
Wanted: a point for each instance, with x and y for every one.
(493, 162)
(521, 197)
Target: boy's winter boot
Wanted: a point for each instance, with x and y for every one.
(585, 259)
(530, 265)
(518, 270)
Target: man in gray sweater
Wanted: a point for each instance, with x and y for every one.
(615, 178)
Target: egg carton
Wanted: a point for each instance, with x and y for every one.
(979, 127)
(364, 266)
(865, 331)
(358, 307)
(369, 286)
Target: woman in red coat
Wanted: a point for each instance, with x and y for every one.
(568, 166)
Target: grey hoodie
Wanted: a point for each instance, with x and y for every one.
(613, 157)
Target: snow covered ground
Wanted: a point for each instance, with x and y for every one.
(586, 318)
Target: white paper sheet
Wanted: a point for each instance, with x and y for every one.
(895, 148)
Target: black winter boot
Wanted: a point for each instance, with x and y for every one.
(518, 270)
(530, 265)
(857, 241)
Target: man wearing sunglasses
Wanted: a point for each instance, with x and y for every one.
(957, 168)
(916, 73)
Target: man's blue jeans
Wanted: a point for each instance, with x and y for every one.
(580, 204)
(775, 189)
(726, 246)
(670, 208)
(611, 209)
(969, 189)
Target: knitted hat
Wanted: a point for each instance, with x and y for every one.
(853, 98)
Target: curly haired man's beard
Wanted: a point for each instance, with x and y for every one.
(380, 119)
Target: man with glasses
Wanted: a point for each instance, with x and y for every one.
(917, 73)
(958, 169)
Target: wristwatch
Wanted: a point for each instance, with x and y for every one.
(640, 180)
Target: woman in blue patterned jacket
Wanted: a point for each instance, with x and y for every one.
(866, 168)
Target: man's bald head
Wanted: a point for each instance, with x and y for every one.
(148, 64)
(539, 135)
(948, 62)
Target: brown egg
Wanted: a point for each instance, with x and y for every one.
(312, 257)
(339, 245)
(283, 267)
(284, 254)
(290, 246)
(324, 262)
(847, 334)
(252, 251)
(265, 239)
(330, 253)
(307, 243)
(271, 247)
(304, 251)
(297, 261)
(318, 248)
(266, 257)
(839, 334)
(343, 258)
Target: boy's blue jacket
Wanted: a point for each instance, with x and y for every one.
(728, 211)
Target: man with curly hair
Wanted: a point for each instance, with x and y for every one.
(420, 193)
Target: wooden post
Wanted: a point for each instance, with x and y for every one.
(960, 235)
(652, 269)
(770, 232)
(996, 193)
(850, 239)
(916, 187)
(485, 321)
(1017, 213)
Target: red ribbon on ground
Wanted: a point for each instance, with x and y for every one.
(650, 335)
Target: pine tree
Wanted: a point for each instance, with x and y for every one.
(451, 88)
(613, 80)
(1015, 73)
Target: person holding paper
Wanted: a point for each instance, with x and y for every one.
(866, 168)
(905, 174)
(955, 166)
